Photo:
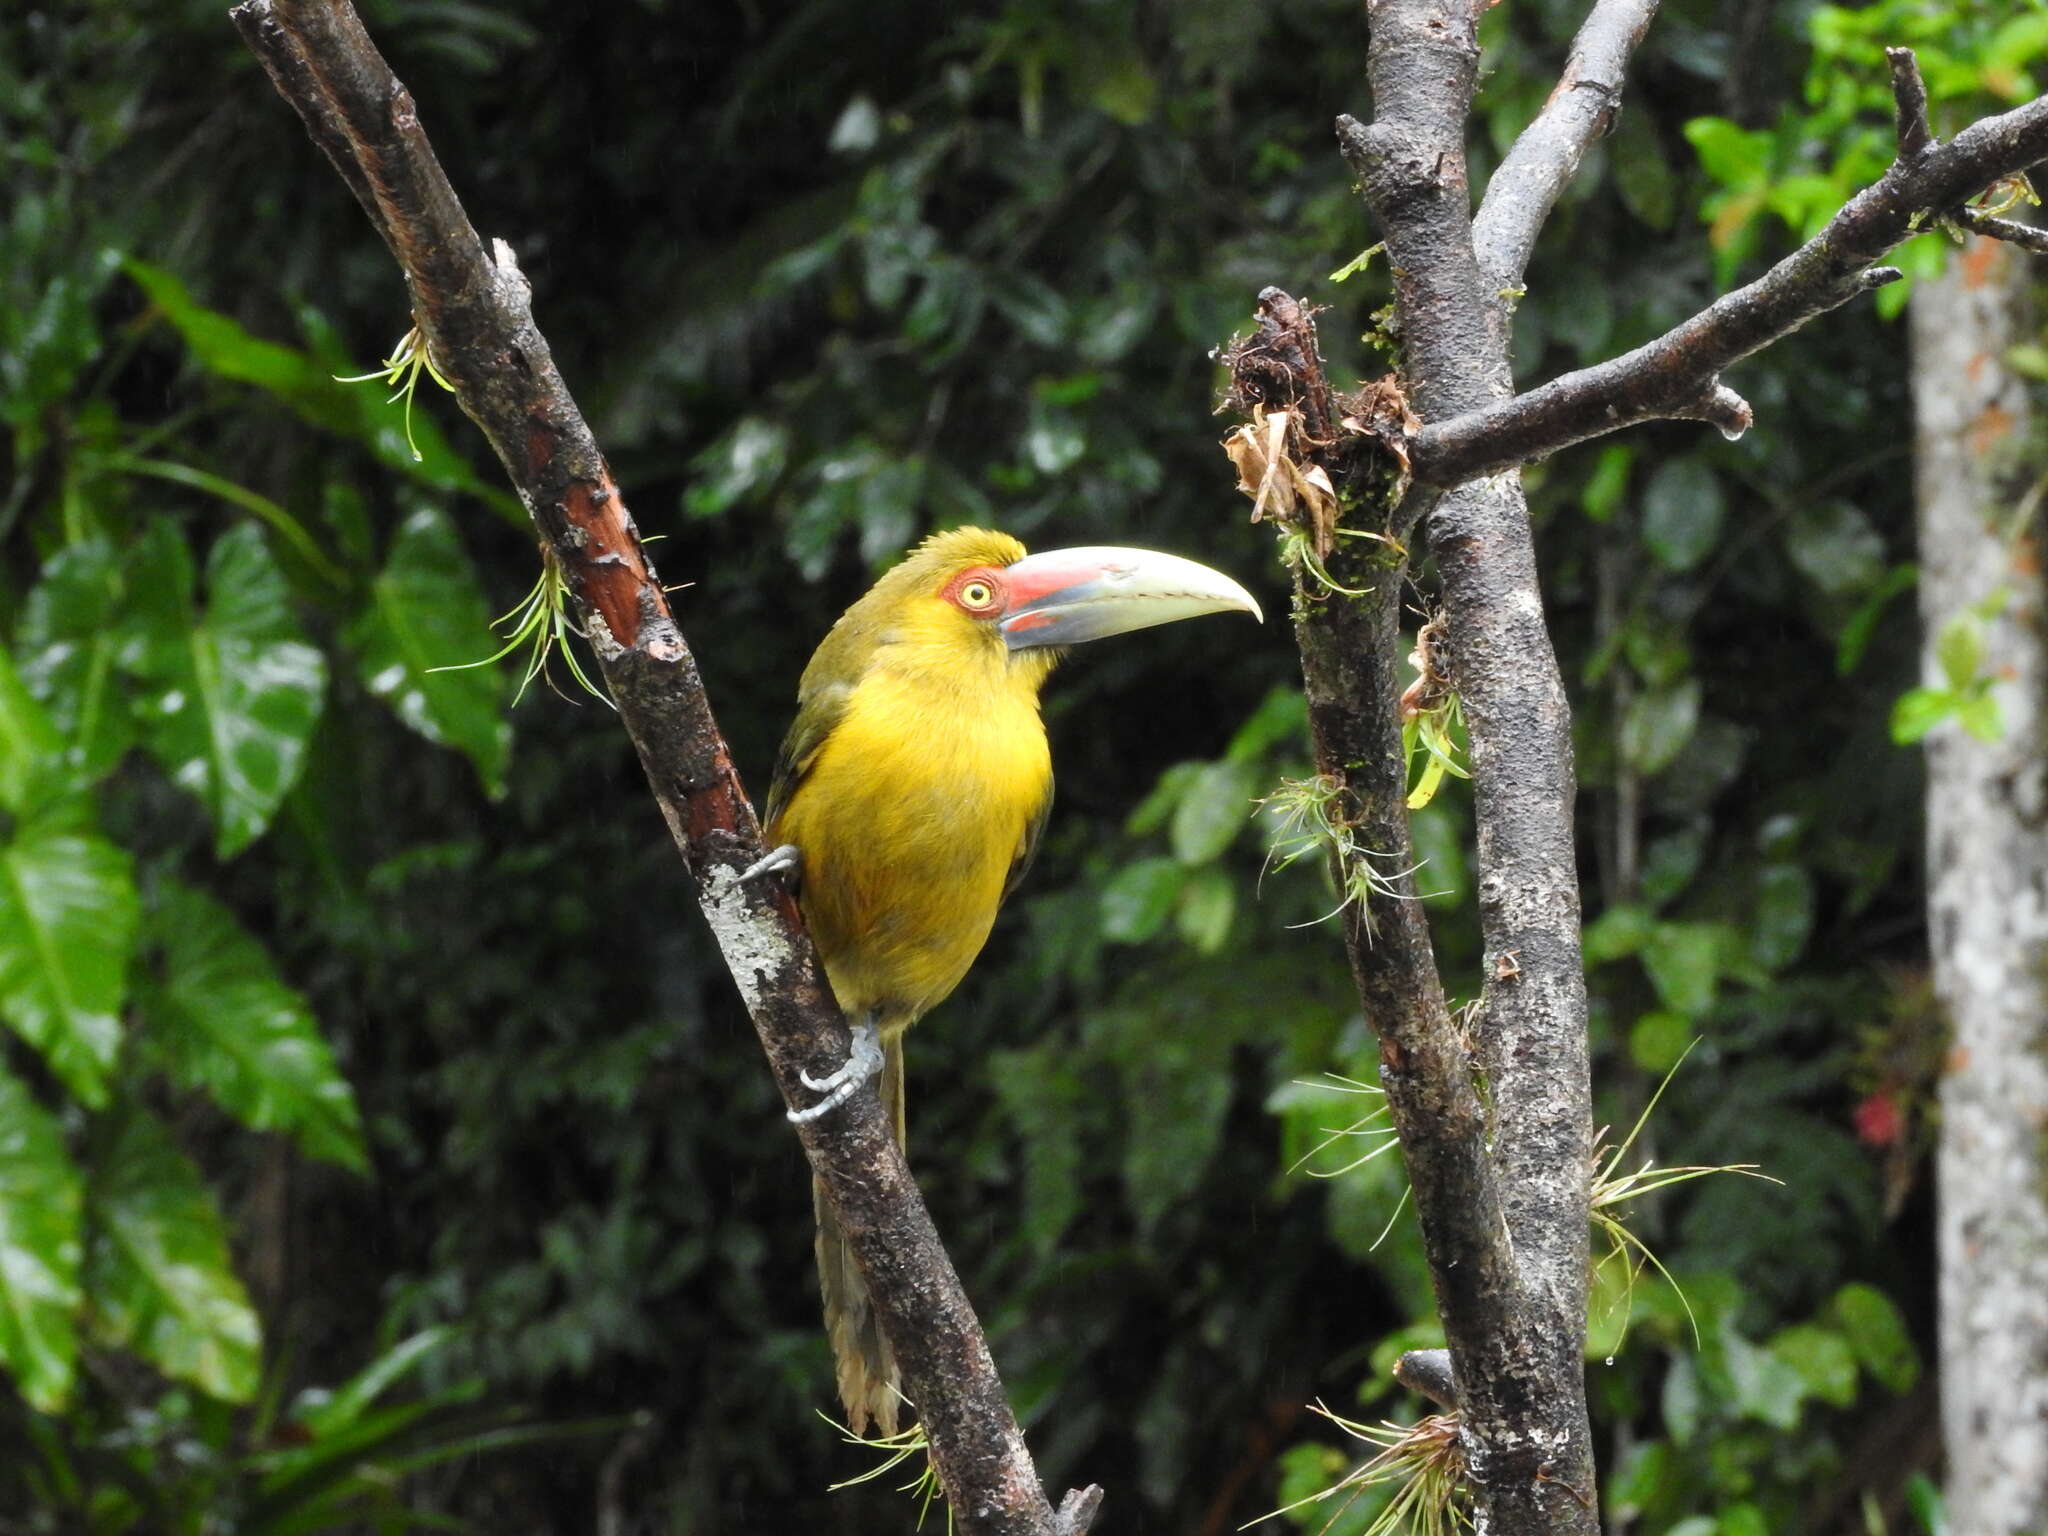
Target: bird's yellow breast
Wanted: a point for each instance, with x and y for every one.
(910, 821)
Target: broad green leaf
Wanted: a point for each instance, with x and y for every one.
(1208, 904)
(1657, 1042)
(1620, 931)
(1745, 1519)
(1684, 962)
(157, 1271)
(1152, 811)
(1783, 915)
(224, 347)
(1044, 1093)
(1734, 156)
(1282, 716)
(40, 1197)
(1979, 713)
(1176, 1088)
(1641, 173)
(1682, 511)
(426, 611)
(1608, 483)
(71, 638)
(30, 748)
(1139, 898)
(1877, 1334)
(1960, 649)
(1215, 806)
(1834, 545)
(1766, 1387)
(222, 1021)
(1920, 710)
(239, 690)
(1823, 1360)
(1658, 724)
(67, 924)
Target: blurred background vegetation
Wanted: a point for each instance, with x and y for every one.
(374, 1102)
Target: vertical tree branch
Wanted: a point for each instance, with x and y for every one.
(1522, 1384)
(472, 307)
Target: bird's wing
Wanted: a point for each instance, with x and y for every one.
(818, 715)
(1027, 848)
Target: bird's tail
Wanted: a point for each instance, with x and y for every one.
(868, 1379)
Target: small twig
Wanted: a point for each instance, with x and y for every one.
(2028, 237)
(1429, 1372)
(1909, 98)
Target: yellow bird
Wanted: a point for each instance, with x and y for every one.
(910, 793)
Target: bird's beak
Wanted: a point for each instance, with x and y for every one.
(1066, 596)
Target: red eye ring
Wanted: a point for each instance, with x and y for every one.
(977, 593)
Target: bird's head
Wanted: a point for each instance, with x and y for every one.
(970, 581)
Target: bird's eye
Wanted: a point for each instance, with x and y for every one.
(976, 594)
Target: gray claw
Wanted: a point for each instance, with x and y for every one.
(786, 860)
(862, 1063)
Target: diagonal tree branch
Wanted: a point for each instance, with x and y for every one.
(1545, 157)
(472, 307)
(1679, 374)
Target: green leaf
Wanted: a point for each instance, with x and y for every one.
(222, 1021)
(1682, 511)
(1960, 650)
(1835, 547)
(1783, 915)
(1766, 1387)
(1657, 1042)
(1928, 1504)
(1139, 898)
(1617, 933)
(1608, 483)
(1920, 710)
(1044, 1093)
(40, 1198)
(1684, 962)
(157, 1269)
(1734, 156)
(1744, 1519)
(1658, 724)
(1877, 1334)
(67, 924)
(1682, 1400)
(1823, 1360)
(1856, 634)
(1980, 716)
(239, 689)
(1208, 905)
(426, 611)
(1176, 1089)
(71, 637)
(1151, 812)
(1642, 175)
(30, 748)
(225, 348)
(1215, 806)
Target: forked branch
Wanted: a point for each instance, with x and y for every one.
(471, 305)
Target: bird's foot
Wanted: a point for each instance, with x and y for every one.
(862, 1063)
(786, 860)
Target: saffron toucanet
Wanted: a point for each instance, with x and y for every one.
(909, 794)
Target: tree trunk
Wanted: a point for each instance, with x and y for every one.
(1987, 854)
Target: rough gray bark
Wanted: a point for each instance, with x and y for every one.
(1987, 856)
(471, 306)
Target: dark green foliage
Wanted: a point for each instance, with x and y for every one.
(823, 278)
